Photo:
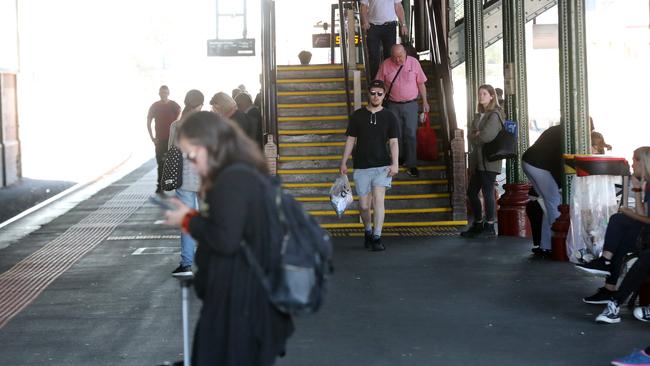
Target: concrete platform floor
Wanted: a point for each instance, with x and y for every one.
(424, 301)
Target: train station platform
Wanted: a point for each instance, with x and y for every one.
(93, 286)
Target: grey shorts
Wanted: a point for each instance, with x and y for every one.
(365, 179)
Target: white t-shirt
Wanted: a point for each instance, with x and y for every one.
(381, 11)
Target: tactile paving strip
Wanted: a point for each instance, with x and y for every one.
(401, 231)
(22, 284)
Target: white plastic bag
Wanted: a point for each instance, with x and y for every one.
(592, 204)
(341, 195)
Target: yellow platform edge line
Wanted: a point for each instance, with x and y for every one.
(395, 183)
(310, 132)
(398, 224)
(311, 144)
(313, 118)
(396, 211)
(312, 80)
(388, 197)
(334, 170)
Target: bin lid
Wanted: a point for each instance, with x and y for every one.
(586, 165)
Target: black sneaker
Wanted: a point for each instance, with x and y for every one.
(599, 267)
(488, 231)
(376, 245)
(183, 271)
(602, 296)
(611, 314)
(367, 239)
(538, 252)
(473, 230)
(413, 172)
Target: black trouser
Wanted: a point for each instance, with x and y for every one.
(635, 277)
(380, 36)
(161, 152)
(482, 181)
(620, 237)
(535, 216)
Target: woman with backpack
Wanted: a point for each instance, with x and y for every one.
(483, 173)
(238, 324)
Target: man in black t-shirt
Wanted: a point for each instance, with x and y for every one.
(372, 131)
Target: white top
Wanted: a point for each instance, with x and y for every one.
(381, 11)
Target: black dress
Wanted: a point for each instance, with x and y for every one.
(237, 325)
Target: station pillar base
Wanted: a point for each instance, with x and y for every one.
(560, 229)
(512, 211)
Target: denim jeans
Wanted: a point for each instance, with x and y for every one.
(482, 181)
(543, 182)
(620, 237)
(188, 245)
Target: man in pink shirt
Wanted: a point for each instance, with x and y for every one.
(405, 79)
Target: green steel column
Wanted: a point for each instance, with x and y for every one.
(573, 82)
(474, 54)
(515, 84)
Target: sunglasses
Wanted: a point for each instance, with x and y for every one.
(190, 156)
(379, 94)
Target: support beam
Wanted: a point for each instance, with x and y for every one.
(573, 82)
(474, 54)
(515, 85)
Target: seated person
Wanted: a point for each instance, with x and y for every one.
(622, 230)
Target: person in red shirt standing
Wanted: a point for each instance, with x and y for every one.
(163, 112)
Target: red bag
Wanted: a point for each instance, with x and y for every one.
(427, 141)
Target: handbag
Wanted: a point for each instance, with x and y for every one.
(385, 102)
(503, 146)
(427, 141)
(172, 174)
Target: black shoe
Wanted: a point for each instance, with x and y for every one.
(183, 271)
(488, 231)
(376, 245)
(599, 267)
(602, 296)
(538, 252)
(367, 239)
(473, 230)
(413, 172)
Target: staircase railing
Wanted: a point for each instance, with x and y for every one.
(343, 31)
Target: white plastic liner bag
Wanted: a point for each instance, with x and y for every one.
(592, 204)
(341, 195)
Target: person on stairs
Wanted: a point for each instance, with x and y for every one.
(371, 132)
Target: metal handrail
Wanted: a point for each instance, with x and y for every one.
(269, 68)
(344, 55)
(364, 46)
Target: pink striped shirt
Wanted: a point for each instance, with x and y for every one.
(406, 84)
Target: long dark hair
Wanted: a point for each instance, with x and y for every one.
(225, 142)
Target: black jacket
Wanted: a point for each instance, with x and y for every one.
(238, 325)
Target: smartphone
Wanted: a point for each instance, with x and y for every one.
(162, 203)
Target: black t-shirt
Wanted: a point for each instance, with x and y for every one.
(372, 131)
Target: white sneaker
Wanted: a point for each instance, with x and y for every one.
(610, 315)
(642, 313)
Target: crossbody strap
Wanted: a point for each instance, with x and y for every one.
(393, 82)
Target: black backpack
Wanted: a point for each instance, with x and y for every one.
(298, 283)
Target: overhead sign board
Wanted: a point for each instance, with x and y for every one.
(322, 40)
(231, 47)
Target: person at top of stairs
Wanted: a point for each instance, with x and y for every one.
(379, 19)
(405, 79)
(370, 128)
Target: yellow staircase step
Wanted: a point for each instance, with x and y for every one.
(312, 132)
(388, 197)
(314, 67)
(314, 157)
(335, 170)
(314, 105)
(395, 211)
(311, 144)
(396, 224)
(311, 92)
(395, 183)
(312, 80)
(313, 118)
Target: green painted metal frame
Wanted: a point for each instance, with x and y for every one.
(514, 69)
(474, 54)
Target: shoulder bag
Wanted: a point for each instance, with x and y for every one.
(172, 174)
(503, 146)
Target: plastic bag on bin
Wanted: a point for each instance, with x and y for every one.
(592, 204)
(341, 195)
